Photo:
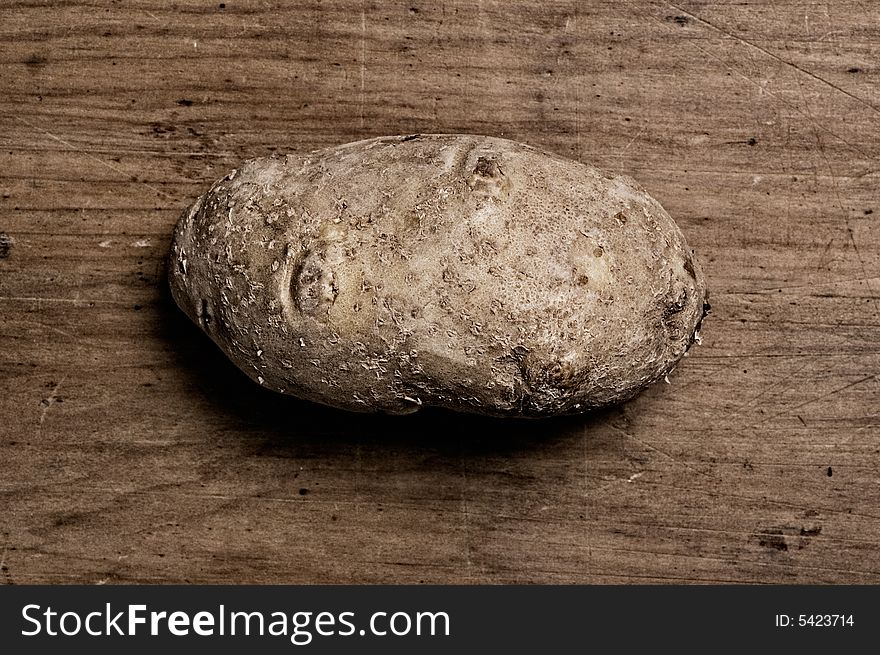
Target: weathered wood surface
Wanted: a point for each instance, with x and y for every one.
(133, 452)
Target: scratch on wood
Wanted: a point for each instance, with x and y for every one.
(465, 515)
(363, 60)
(135, 151)
(763, 393)
(87, 154)
(776, 57)
(587, 497)
(52, 328)
(74, 301)
(47, 405)
(814, 285)
(755, 501)
(631, 141)
(815, 400)
(812, 355)
(821, 265)
(659, 450)
(776, 97)
(836, 188)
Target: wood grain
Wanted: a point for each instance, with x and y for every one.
(133, 452)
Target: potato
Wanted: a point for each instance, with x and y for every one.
(459, 271)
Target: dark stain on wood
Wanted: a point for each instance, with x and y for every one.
(679, 20)
(773, 539)
(35, 60)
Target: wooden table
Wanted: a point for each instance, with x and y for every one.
(133, 452)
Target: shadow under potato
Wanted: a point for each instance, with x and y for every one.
(285, 421)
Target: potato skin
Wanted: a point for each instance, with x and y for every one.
(460, 271)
